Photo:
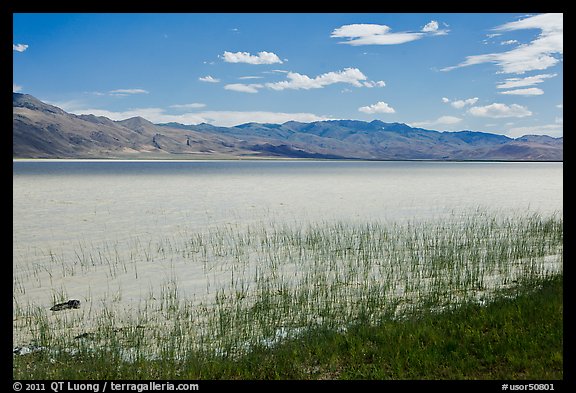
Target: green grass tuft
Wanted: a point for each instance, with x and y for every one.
(512, 338)
(473, 296)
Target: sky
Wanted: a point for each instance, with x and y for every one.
(493, 72)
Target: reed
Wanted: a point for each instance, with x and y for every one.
(268, 283)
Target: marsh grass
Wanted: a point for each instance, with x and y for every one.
(268, 285)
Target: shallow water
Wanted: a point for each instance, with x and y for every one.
(65, 201)
(114, 234)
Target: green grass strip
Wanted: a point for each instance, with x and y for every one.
(513, 338)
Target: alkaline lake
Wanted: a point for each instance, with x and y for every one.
(111, 233)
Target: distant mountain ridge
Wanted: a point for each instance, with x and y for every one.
(41, 130)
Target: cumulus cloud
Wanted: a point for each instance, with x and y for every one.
(16, 88)
(539, 54)
(208, 79)
(373, 34)
(246, 57)
(433, 28)
(19, 47)
(532, 91)
(217, 118)
(498, 110)
(367, 34)
(244, 88)
(194, 105)
(118, 92)
(126, 92)
(553, 130)
(511, 83)
(459, 104)
(374, 84)
(441, 121)
(232, 118)
(296, 81)
(448, 120)
(379, 107)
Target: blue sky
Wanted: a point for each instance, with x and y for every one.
(495, 72)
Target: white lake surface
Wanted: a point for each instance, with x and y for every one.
(66, 211)
(66, 201)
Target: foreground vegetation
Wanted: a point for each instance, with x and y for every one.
(518, 337)
(475, 297)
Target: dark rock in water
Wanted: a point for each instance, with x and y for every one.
(89, 336)
(66, 305)
(25, 350)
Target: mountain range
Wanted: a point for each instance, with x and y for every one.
(41, 130)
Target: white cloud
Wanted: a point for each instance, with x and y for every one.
(208, 79)
(448, 120)
(19, 47)
(126, 92)
(217, 118)
(360, 30)
(246, 57)
(441, 121)
(373, 34)
(374, 84)
(433, 28)
(459, 104)
(68, 106)
(194, 105)
(151, 114)
(553, 130)
(297, 81)
(532, 91)
(498, 110)
(231, 118)
(509, 42)
(523, 82)
(244, 88)
(379, 107)
(16, 88)
(250, 77)
(539, 54)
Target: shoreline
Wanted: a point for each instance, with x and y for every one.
(279, 159)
